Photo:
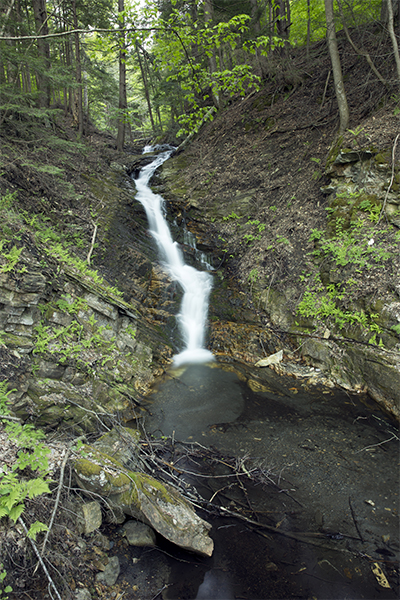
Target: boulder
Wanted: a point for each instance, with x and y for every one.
(141, 496)
(89, 517)
(111, 571)
(139, 534)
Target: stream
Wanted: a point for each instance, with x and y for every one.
(196, 285)
(329, 499)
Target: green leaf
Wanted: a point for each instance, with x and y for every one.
(16, 512)
(36, 487)
(36, 528)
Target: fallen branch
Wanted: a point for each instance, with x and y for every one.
(308, 541)
(35, 548)
(60, 486)
(10, 418)
(391, 179)
(355, 521)
(325, 89)
(305, 538)
(167, 585)
(92, 244)
(394, 437)
(358, 51)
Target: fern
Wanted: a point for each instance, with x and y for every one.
(15, 487)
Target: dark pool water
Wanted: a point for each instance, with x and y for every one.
(334, 458)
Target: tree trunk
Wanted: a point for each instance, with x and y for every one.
(282, 18)
(308, 29)
(393, 38)
(146, 87)
(212, 60)
(255, 16)
(385, 10)
(122, 102)
(78, 68)
(5, 17)
(43, 83)
(336, 67)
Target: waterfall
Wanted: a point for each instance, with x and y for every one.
(196, 285)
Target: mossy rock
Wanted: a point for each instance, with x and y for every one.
(65, 404)
(100, 473)
(383, 158)
(333, 153)
(122, 443)
(143, 497)
(22, 344)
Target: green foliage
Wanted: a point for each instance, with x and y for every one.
(282, 240)
(55, 246)
(249, 238)
(199, 84)
(356, 13)
(28, 477)
(356, 248)
(68, 305)
(373, 210)
(323, 304)
(41, 168)
(8, 588)
(80, 342)
(176, 41)
(7, 200)
(396, 328)
(10, 221)
(12, 258)
(253, 275)
(233, 215)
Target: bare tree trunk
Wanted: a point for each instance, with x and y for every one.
(255, 16)
(282, 18)
(26, 79)
(78, 71)
(39, 9)
(385, 10)
(85, 95)
(5, 17)
(122, 103)
(146, 87)
(212, 60)
(336, 67)
(393, 39)
(308, 29)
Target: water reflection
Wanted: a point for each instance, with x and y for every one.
(216, 586)
(331, 455)
(193, 399)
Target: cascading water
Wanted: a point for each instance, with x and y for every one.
(196, 285)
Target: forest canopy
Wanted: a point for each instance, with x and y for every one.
(158, 67)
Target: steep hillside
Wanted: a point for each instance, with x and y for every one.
(307, 224)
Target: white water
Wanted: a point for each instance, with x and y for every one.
(196, 285)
